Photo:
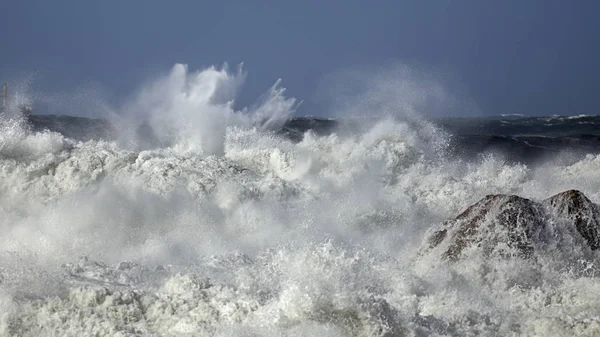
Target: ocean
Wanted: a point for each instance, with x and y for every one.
(188, 217)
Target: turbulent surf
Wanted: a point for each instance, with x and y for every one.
(187, 216)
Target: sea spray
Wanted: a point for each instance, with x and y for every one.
(191, 111)
(224, 228)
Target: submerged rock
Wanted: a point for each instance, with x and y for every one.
(509, 225)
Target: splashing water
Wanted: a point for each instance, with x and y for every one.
(225, 229)
(190, 111)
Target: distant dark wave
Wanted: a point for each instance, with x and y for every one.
(518, 139)
(552, 126)
(78, 128)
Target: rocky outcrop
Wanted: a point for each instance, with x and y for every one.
(574, 207)
(509, 225)
(498, 223)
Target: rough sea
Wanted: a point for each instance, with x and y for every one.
(188, 217)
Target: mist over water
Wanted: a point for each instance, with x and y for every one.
(207, 223)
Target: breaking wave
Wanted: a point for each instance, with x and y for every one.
(220, 227)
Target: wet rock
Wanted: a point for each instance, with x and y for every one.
(498, 224)
(509, 225)
(574, 207)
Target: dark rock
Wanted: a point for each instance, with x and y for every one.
(577, 209)
(498, 223)
(508, 225)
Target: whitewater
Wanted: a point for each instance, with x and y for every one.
(219, 226)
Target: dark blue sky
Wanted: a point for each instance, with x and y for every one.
(533, 57)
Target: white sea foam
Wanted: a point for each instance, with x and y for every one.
(229, 230)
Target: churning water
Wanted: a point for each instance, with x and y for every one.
(215, 225)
